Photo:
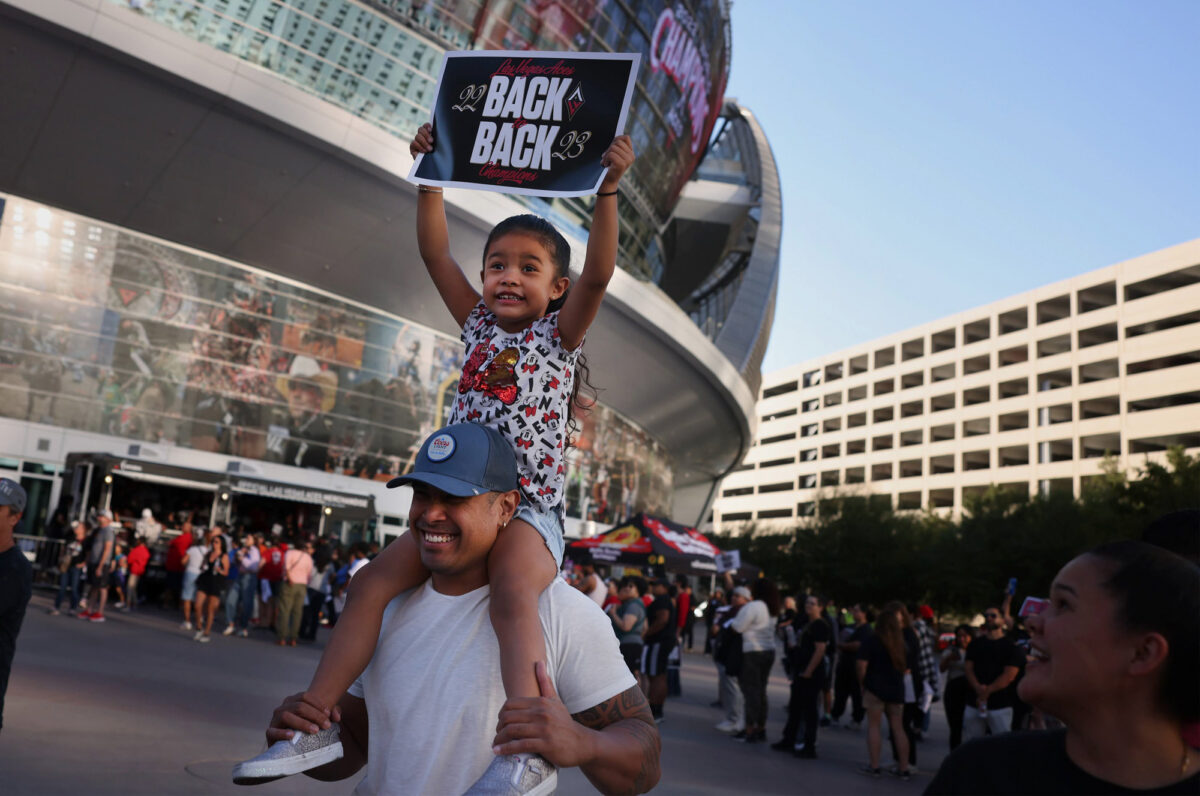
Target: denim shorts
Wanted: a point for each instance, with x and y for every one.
(548, 524)
(189, 586)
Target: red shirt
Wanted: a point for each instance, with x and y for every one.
(139, 557)
(271, 568)
(177, 552)
(684, 605)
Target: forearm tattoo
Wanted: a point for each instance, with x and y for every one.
(630, 710)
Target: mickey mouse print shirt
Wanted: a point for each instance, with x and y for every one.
(519, 383)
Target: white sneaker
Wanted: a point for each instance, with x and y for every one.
(516, 775)
(283, 758)
(199, 634)
(185, 626)
(204, 639)
(227, 631)
(729, 726)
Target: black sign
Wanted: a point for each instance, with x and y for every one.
(529, 123)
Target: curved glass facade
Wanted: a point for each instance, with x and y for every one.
(112, 332)
(379, 60)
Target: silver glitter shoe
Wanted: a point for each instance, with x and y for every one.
(516, 775)
(291, 756)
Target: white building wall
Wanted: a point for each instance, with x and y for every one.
(973, 402)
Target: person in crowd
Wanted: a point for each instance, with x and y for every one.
(591, 584)
(16, 579)
(914, 687)
(232, 595)
(147, 527)
(829, 615)
(270, 572)
(246, 587)
(659, 640)
(1115, 657)
(297, 568)
(176, 563)
(683, 607)
(209, 584)
(139, 559)
(99, 561)
(845, 686)
(756, 624)
(727, 656)
(925, 627)
(613, 597)
(629, 621)
(71, 569)
(993, 662)
(119, 574)
(954, 665)
(315, 592)
(786, 632)
(883, 659)
(809, 664)
(193, 565)
(715, 601)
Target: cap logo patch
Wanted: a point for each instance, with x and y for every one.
(440, 448)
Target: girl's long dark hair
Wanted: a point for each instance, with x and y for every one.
(583, 392)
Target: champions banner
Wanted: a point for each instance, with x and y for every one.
(526, 122)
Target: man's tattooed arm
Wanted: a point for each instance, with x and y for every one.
(628, 745)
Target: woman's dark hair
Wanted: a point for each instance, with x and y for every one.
(560, 253)
(890, 629)
(1159, 592)
(221, 539)
(764, 589)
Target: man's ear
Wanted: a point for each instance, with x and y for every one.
(509, 502)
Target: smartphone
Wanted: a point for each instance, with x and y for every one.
(1012, 586)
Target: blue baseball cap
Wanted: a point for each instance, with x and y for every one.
(464, 459)
(12, 494)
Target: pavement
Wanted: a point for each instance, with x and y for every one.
(134, 706)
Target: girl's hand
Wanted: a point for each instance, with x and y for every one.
(617, 158)
(422, 143)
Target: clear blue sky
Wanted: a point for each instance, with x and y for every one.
(935, 156)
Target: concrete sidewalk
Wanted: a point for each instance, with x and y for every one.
(134, 706)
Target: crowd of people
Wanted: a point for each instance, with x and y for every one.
(857, 666)
(288, 583)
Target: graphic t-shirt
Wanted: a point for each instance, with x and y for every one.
(520, 383)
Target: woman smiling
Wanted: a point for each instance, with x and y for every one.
(1115, 657)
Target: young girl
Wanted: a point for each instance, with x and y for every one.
(523, 338)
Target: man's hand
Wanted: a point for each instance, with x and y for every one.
(294, 713)
(543, 726)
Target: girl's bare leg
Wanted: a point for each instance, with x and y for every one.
(396, 569)
(874, 738)
(520, 567)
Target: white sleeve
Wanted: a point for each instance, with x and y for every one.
(588, 668)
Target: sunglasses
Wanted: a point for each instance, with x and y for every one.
(991, 616)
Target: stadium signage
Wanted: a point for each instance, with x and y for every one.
(528, 123)
(673, 50)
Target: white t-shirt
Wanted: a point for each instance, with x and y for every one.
(433, 688)
(195, 558)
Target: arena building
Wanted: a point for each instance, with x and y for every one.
(209, 267)
(1027, 393)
